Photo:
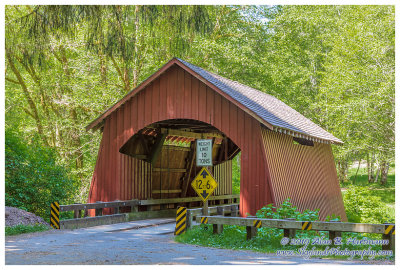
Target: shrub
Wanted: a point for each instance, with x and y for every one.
(287, 210)
(33, 179)
(362, 206)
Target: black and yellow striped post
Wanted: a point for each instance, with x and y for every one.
(389, 234)
(306, 225)
(389, 229)
(180, 220)
(204, 220)
(55, 215)
(257, 223)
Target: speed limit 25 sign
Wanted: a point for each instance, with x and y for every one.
(204, 152)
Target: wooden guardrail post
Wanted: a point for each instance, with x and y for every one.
(251, 231)
(116, 209)
(189, 220)
(134, 208)
(218, 228)
(234, 211)
(389, 234)
(99, 211)
(77, 213)
(290, 233)
(334, 234)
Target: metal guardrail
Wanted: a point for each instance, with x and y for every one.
(334, 228)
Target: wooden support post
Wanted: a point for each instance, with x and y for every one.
(251, 232)
(77, 213)
(189, 219)
(205, 209)
(334, 234)
(391, 238)
(99, 212)
(290, 233)
(220, 211)
(234, 211)
(218, 228)
(134, 208)
(116, 210)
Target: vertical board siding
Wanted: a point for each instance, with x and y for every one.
(223, 176)
(305, 174)
(173, 92)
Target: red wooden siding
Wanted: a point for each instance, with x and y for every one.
(305, 174)
(177, 94)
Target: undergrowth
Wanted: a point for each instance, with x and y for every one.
(20, 229)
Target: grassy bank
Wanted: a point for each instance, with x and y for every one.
(20, 229)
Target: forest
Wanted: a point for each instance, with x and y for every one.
(65, 65)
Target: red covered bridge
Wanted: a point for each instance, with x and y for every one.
(147, 148)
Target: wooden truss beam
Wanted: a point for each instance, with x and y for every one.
(156, 149)
(188, 134)
(178, 170)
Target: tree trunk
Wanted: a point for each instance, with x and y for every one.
(377, 175)
(384, 172)
(32, 105)
(371, 179)
(369, 168)
(342, 169)
(355, 177)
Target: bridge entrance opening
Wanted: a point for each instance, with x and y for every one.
(165, 156)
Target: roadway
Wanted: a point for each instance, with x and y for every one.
(147, 242)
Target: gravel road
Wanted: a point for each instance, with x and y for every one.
(133, 243)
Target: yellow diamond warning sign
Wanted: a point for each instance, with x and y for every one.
(204, 184)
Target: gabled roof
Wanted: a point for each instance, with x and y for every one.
(267, 109)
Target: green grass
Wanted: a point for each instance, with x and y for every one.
(385, 193)
(232, 237)
(20, 229)
(267, 240)
(362, 178)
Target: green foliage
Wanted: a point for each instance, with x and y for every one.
(287, 210)
(236, 174)
(33, 179)
(20, 229)
(362, 206)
